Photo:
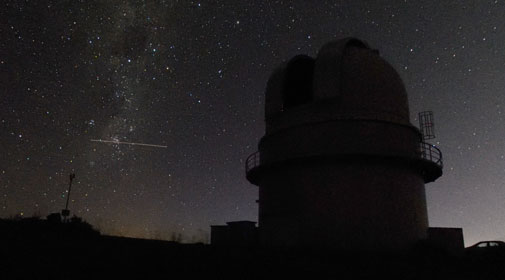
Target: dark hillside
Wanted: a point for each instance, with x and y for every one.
(39, 249)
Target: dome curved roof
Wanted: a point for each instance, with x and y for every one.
(349, 75)
(360, 81)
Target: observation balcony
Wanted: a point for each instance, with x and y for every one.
(252, 162)
(431, 153)
(429, 160)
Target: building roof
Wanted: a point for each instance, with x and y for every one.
(348, 73)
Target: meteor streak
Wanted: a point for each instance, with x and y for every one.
(127, 143)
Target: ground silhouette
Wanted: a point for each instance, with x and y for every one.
(34, 248)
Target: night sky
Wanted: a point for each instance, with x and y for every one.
(191, 75)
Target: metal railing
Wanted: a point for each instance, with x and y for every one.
(252, 161)
(427, 151)
(432, 153)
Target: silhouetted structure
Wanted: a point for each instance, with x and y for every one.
(340, 165)
(238, 233)
(65, 212)
(449, 240)
(54, 218)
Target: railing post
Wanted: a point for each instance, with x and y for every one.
(252, 161)
(431, 152)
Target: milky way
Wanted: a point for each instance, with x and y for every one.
(190, 75)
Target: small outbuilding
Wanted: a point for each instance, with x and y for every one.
(237, 233)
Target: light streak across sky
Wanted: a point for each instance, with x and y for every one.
(128, 143)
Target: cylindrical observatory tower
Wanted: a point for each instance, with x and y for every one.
(340, 165)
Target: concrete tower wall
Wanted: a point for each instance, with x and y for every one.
(341, 137)
(331, 204)
(344, 184)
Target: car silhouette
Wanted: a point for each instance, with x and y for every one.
(486, 247)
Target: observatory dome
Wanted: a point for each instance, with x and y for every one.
(353, 78)
(340, 166)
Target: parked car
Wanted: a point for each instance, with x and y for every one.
(486, 247)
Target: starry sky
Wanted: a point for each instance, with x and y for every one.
(191, 75)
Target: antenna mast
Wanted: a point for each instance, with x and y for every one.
(65, 212)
